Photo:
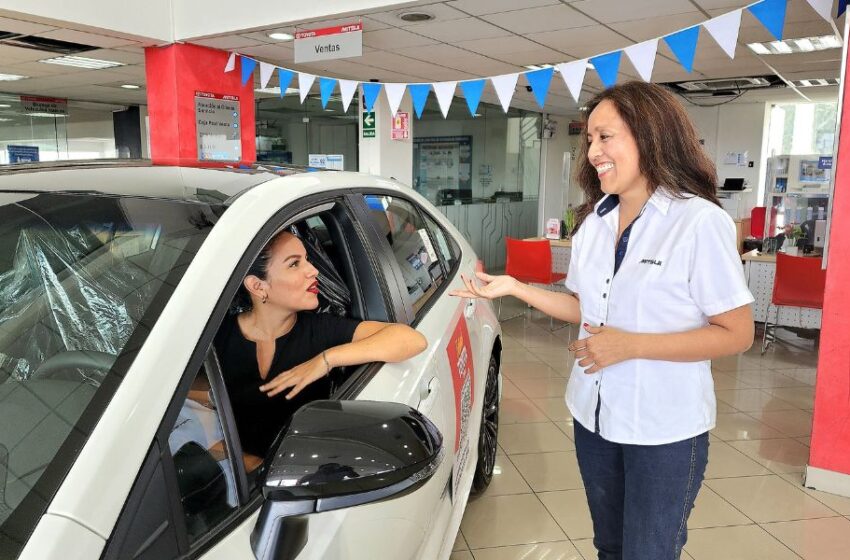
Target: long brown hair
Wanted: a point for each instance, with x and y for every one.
(669, 153)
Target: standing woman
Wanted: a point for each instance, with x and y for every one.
(659, 291)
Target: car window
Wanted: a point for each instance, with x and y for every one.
(78, 275)
(447, 251)
(204, 471)
(406, 232)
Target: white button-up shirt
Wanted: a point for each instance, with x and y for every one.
(681, 267)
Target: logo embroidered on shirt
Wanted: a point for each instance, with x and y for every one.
(651, 261)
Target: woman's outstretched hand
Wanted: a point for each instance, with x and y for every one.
(492, 286)
(298, 377)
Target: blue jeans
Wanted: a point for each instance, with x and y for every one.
(640, 496)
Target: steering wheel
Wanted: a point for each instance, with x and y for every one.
(69, 359)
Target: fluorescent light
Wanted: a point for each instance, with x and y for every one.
(758, 48)
(280, 36)
(130, 86)
(82, 62)
(46, 115)
(781, 47)
(4, 106)
(11, 77)
(4, 119)
(805, 45)
(276, 90)
(539, 66)
(800, 45)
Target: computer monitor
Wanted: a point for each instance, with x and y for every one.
(733, 184)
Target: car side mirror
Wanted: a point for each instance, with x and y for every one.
(339, 454)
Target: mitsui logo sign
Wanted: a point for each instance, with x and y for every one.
(342, 41)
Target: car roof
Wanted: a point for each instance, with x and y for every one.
(139, 178)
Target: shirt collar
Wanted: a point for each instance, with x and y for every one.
(660, 199)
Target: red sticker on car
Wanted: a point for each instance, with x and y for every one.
(463, 380)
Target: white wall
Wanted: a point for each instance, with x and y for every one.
(382, 155)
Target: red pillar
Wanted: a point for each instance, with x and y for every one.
(175, 75)
(830, 447)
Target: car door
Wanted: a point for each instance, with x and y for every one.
(196, 493)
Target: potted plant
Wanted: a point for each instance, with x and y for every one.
(569, 221)
(793, 232)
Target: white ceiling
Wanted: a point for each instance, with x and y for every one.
(467, 39)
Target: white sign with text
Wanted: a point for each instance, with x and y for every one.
(341, 41)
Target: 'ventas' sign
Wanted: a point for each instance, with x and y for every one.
(342, 41)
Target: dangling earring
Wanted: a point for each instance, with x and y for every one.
(265, 298)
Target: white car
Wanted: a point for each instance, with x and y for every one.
(117, 439)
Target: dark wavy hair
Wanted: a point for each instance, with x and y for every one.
(669, 153)
(259, 268)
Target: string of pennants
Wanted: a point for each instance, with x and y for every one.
(723, 29)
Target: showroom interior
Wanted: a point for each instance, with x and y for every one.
(477, 105)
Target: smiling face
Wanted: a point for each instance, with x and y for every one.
(612, 150)
(291, 281)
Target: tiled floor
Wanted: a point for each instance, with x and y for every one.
(752, 505)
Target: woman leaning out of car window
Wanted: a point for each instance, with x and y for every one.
(277, 355)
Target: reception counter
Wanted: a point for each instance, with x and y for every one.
(760, 271)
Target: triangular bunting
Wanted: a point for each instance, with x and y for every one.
(231, 62)
(394, 94)
(725, 29)
(642, 56)
(472, 93)
(248, 65)
(445, 91)
(539, 81)
(505, 86)
(305, 82)
(326, 88)
(346, 91)
(573, 74)
(684, 45)
(771, 14)
(419, 95)
(284, 78)
(370, 94)
(607, 66)
(266, 71)
(823, 8)
(842, 6)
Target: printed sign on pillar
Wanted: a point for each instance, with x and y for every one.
(217, 119)
(401, 126)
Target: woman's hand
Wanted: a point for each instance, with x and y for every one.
(492, 287)
(604, 347)
(298, 377)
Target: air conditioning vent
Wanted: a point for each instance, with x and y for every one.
(727, 86)
(45, 44)
(7, 34)
(816, 82)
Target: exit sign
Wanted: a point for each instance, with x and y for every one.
(368, 122)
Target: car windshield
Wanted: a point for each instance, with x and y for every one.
(83, 279)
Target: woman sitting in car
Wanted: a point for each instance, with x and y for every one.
(277, 355)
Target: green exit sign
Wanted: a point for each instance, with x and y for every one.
(368, 122)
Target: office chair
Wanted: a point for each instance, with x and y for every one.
(530, 262)
(799, 282)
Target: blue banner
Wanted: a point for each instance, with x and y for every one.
(472, 92)
(539, 81)
(842, 7)
(284, 78)
(419, 95)
(326, 87)
(607, 66)
(248, 65)
(684, 45)
(370, 94)
(22, 154)
(771, 14)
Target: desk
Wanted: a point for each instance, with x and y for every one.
(561, 250)
(760, 271)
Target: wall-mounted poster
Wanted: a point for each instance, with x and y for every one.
(811, 172)
(442, 167)
(217, 119)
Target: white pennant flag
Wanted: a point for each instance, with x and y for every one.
(505, 86)
(445, 91)
(823, 8)
(266, 71)
(642, 56)
(725, 30)
(394, 94)
(573, 75)
(347, 89)
(231, 63)
(305, 82)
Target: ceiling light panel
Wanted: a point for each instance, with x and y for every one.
(82, 62)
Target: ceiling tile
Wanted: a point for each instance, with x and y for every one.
(482, 7)
(228, 42)
(643, 30)
(465, 28)
(275, 54)
(537, 56)
(9, 54)
(126, 57)
(595, 37)
(441, 12)
(86, 38)
(611, 11)
(536, 20)
(395, 38)
(500, 46)
(24, 27)
(725, 5)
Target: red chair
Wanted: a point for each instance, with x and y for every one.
(799, 282)
(530, 262)
(757, 216)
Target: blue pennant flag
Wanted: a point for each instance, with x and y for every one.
(539, 81)
(419, 94)
(607, 66)
(370, 94)
(284, 78)
(248, 65)
(684, 45)
(326, 87)
(842, 7)
(771, 14)
(472, 92)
